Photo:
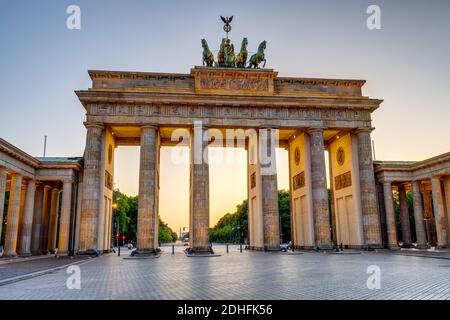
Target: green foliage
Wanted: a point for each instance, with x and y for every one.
(233, 227)
(126, 214)
(409, 199)
(166, 234)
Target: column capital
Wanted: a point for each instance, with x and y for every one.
(67, 181)
(47, 187)
(150, 126)
(436, 178)
(364, 130)
(268, 127)
(16, 174)
(315, 129)
(94, 125)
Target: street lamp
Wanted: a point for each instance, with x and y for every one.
(114, 207)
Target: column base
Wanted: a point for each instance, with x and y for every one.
(393, 247)
(252, 248)
(325, 247)
(422, 246)
(200, 252)
(146, 253)
(441, 246)
(89, 252)
(25, 255)
(304, 247)
(372, 246)
(407, 246)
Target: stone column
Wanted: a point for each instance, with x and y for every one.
(269, 185)
(90, 204)
(439, 213)
(147, 233)
(404, 217)
(446, 189)
(53, 222)
(199, 191)
(46, 204)
(382, 211)
(319, 190)
(37, 220)
(3, 174)
(27, 222)
(12, 227)
(64, 221)
(391, 223)
(428, 214)
(370, 217)
(418, 216)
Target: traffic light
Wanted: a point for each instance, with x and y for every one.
(123, 238)
(116, 235)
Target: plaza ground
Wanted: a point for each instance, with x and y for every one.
(235, 275)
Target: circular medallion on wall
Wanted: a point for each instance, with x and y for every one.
(297, 156)
(340, 156)
(110, 151)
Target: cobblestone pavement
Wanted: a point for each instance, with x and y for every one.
(247, 275)
(11, 268)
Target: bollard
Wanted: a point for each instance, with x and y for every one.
(240, 247)
(119, 252)
(227, 247)
(173, 249)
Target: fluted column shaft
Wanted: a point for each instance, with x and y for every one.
(53, 224)
(391, 224)
(27, 221)
(64, 221)
(199, 191)
(418, 216)
(439, 213)
(404, 217)
(37, 220)
(12, 228)
(269, 185)
(46, 204)
(370, 217)
(90, 205)
(319, 189)
(3, 175)
(147, 227)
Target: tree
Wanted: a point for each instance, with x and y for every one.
(233, 227)
(126, 212)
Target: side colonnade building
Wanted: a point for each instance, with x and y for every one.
(42, 207)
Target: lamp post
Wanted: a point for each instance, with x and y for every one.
(114, 207)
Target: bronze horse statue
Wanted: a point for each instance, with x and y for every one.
(241, 60)
(221, 54)
(258, 57)
(208, 57)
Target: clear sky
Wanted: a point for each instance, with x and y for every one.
(406, 63)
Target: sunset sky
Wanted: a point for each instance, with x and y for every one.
(406, 63)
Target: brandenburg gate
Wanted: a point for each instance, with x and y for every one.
(305, 116)
(64, 205)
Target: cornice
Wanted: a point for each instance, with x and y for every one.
(120, 96)
(18, 154)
